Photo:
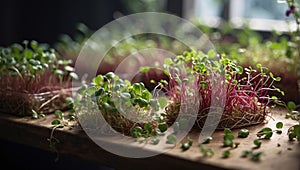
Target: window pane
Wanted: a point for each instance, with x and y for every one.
(259, 9)
(208, 8)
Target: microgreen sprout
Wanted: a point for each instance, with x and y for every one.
(171, 139)
(228, 138)
(257, 143)
(245, 153)
(186, 145)
(265, 133)
(226, 154)
(155, 141)
(207, 140)
(61, 120)
(254, 156)
(294, 132)
(206, 152)
(243, 133)
(36, 115)
(279, 126)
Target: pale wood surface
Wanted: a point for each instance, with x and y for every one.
(75, 142)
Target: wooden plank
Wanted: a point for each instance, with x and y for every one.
(75, 142)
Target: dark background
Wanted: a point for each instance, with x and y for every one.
(45, 20)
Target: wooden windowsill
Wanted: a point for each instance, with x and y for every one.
(35, 132)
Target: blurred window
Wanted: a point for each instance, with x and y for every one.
(263, 15)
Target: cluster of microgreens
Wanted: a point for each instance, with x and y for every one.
(32, 68)
(246, 90)
(124, 104)
(128, 108)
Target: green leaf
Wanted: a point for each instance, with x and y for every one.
(136, 132)
(240, 70)
(279, 125)
(211, 54)
(34, 45)
(35, 115)
(206, 151)
(264, 70)
(291, 105)
(246, 153)
(162, 102)
(146, 95)
(148, 128)
(227, 131)
(207, 140)
(98, 80)
(255, 156)
(226, 154)
(185, 146)
(257, 142)
(227, 143)
(155, 141)
(243, 133)
(171, 139)
(58, 114)
(144, 69)
(167, 73)
(266, 133)
(28, 54)
(70, 102)
(168, 61)
(141, 102)
(110, 75)
(271, 75)
(137, 88)
(258, 65)
(229, 136)
(163, 127)
(55, 122)
(277, 79)
(294, 132)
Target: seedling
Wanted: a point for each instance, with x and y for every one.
(207, 140)
(257, 143)
(226, 154)
(243, 133)
(228, 139)
(294, 132)
(186, 145)
(254, 156)
(206, 152)
(171, 139)
(61, 121)
(265, 133)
